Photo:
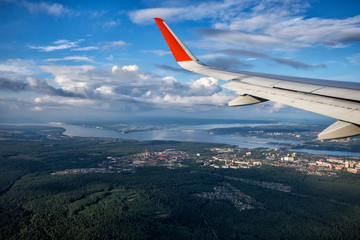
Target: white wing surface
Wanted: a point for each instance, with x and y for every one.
(336, 99)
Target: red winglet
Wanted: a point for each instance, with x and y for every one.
(175, 47)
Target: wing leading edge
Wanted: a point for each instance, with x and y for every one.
(336, 99)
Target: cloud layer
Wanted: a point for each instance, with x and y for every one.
(91, 87)
(260, 24)
(292, 63)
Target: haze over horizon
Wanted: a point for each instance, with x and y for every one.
(91, 60)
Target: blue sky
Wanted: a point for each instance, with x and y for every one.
(107, 60)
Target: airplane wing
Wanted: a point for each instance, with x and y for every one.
(336, 99)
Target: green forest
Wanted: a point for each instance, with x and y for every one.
(156, 202)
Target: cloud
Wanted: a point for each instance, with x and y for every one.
(58, 45)
(15, 67)
(272, 107)
(47, 108)
(260, 24)
(211, 9)
(211, 55)
(64, 44)
(10, 85)
(158, 52)
(146, 16)
(283, 23)
(111, 24)
(97, 14)
(130, 68)
(71, 76)
(35, 85)
(354, 59)
(170, 68)
(105, 90)
(297, 64)
(72, 58)
(78, 91)
(46, 101)
(54, 9)
(115, 44)
(225, 38)
(121, 83)
(128, 84)
(292, 63)
(276, 107)
(89, 48)
(213, 100)
(228, 62)
(219, 58)
(331, 32)
(110, 58)
(58, 106)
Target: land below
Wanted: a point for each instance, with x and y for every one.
(54, 186)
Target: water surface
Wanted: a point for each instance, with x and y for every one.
(197, 133)
(193, 133)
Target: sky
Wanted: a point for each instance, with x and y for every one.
(107, 60)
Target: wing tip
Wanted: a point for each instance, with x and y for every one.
(178, 49)
(158, 20)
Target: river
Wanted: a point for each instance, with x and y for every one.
(195, 133)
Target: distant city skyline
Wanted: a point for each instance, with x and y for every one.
(107, 60)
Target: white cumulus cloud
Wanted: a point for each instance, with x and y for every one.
(130, 68)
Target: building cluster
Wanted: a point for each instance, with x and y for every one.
(303, 162)
(85, 170)
(322, 165)
(336, 164)
(225, 191)
(168, 158)
(230, 158)
(270, 185)
(223, 161)
(294, 135)
(287, 135)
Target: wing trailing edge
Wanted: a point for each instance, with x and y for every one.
(336, 99)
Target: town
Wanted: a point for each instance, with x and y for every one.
(228, 158)
(168, 158)
(311, 164)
